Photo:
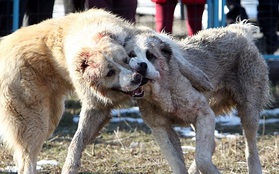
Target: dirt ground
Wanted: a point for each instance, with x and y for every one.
(129, 148)
(133, 151)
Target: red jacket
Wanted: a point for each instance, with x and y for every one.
(183, 1)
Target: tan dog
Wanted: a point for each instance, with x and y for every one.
(240, 79)
(41, 64)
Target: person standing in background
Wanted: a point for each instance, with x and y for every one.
(37, 11)
(30, 12)
(165, 10)
(71, 6)
(6, 16)
(236, 11)
(268, 21)
(123, 8)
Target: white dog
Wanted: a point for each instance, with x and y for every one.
(239, 76)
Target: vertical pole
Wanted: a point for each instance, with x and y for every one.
(215, 13)
(209, 14)
(15, 15)
(224, 18)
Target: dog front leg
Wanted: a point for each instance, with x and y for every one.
(90, 123)
(170, 146)
(165, 137)
(205, 144)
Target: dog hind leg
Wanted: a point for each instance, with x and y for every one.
(251, 95)
(250, 120)
(25, 161)
(205, 144)
(24, 128)
(26, 142)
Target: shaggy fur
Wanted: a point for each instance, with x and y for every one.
(239, 76)
(89, 127)
(41, 64)
(172, 99)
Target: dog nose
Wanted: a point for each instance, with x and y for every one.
(142, 67)
(136, 78)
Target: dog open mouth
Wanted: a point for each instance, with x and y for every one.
(136, 94)
(139, 92)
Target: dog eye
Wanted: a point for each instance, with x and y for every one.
(150, 56)
(132, 54)
(126, 60)
(111, 73)
(166, 52)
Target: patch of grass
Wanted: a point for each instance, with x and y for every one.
(129, 148)
(124, 151)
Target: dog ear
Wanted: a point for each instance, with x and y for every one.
(164, 47)
(103, 34)
(88, 67)
(86, 57)
(196, 76)
(84, 61)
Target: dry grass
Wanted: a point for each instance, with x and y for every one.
(135, 151)
(129, 148)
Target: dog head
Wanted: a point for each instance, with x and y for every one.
(137, 48)
(101, 63)
(107, 67)
(158, 49)
(147, 47)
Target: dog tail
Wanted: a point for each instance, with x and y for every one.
(244, 28)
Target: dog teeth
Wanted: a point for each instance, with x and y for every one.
(138, 92)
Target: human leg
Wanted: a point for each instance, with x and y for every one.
(268, 17)
(37, 11)
(194, 18)
(164, 16)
